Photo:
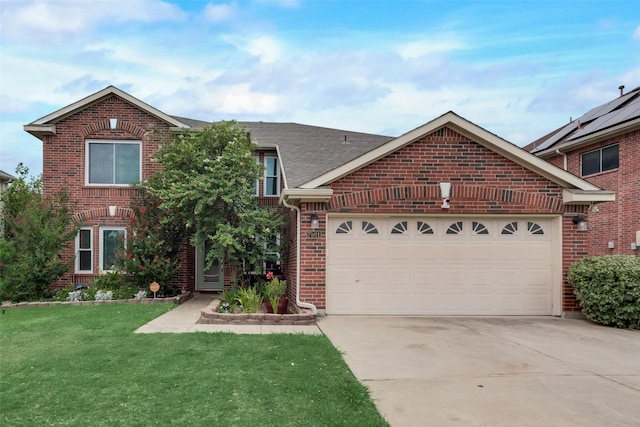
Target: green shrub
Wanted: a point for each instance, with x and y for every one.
(250, 300)
(228, 300)
(109, 280)
(608, 288)
(37, 229)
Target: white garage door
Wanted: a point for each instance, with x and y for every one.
(442, 265)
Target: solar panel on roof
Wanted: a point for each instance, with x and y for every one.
(604, 109)
(570, 127)
(628, 112)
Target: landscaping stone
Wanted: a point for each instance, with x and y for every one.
(210, 316)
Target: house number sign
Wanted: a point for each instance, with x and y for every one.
(314, 234)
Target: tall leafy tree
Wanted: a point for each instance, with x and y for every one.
(152, 252)
(37, 230)
(208, 184)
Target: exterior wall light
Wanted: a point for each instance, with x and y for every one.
(581, 222)
(315, 223)
(445, 192)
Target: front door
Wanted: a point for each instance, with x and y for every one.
(211, 279)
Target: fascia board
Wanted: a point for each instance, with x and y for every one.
(306, 195)
(601, 135)
(281, 165)
(83, 103)
(40, 130)
(573, 197)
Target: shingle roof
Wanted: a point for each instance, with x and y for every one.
(306, 152)
(622, 111)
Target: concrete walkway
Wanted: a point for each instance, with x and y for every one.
(183, 319)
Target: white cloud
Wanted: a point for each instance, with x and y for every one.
(241, 100)
(266, 48)
(47, 21)
(283, 3)
(220, 12)
(417, 49)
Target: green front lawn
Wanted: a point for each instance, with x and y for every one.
(84, 366)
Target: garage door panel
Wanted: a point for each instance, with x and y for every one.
(467, 273)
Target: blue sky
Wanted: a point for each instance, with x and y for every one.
(517, 68)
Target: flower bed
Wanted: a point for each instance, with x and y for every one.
(211, 316)
(178, 299)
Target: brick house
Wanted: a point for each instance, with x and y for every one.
(603, 147)
(445, 219)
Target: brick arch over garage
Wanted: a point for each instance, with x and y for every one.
(102, 125)
(90, 214)
(460, 192)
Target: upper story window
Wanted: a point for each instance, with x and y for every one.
(600, 160)
(271, 176)
(113, 162)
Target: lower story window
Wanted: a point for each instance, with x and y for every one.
(272, 255)
(84, 251)
(112, 245)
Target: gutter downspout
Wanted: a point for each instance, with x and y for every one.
(564, 158)
(299, 303)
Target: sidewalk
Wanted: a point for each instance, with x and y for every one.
(183, 319)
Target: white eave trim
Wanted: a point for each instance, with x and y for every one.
(306, 195)
(578, 197)
(40, 129)
(474, 133)
(109, 90)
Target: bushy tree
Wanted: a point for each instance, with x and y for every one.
(153, 249)
(207, 184)
(37, 230)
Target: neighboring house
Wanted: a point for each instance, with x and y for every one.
(370, 230)
(603, 147)
(5, 180)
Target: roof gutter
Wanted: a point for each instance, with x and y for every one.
(299, 303)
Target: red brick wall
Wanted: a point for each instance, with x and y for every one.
(407, 181)
(64, 168)
(617, 221)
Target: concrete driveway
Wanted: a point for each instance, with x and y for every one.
(499, 371)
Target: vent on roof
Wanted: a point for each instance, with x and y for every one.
(621, 87)
(345, 140)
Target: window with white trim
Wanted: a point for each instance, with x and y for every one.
(271, 176)
(112, 244)
(600, 160)
(255, 183)
(84, 251)
(111, 162)
(272, 254)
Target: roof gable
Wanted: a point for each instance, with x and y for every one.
(469, 130)
(46, 125)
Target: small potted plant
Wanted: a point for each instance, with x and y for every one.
(275, 291)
